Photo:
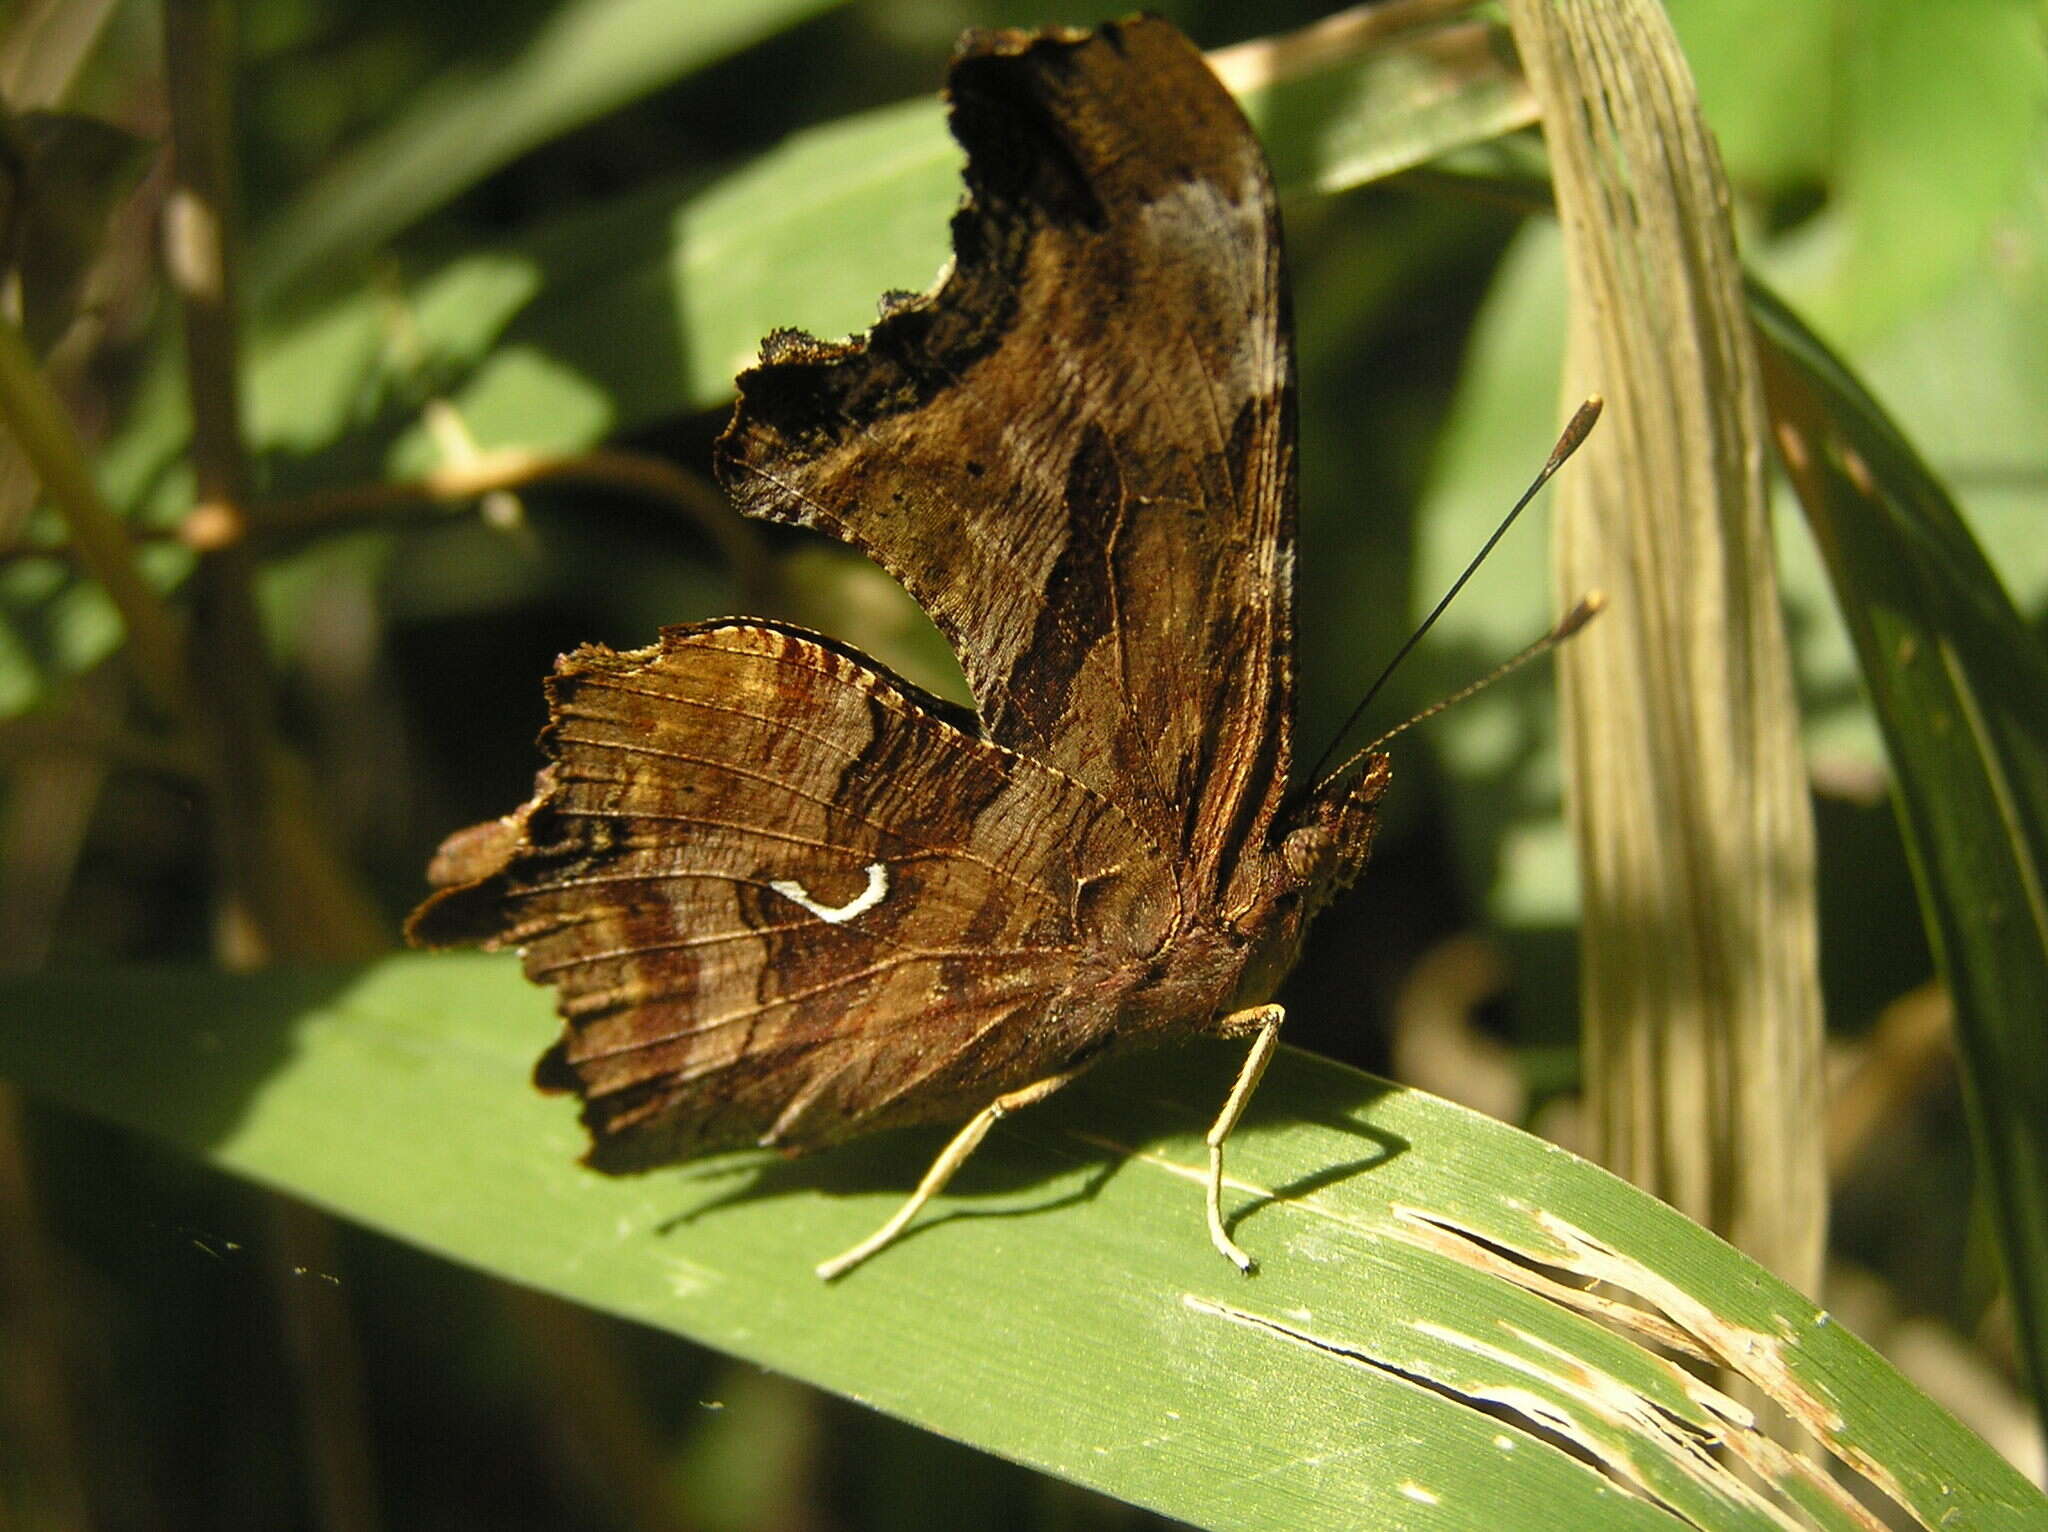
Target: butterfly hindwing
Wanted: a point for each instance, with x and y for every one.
(787, 898)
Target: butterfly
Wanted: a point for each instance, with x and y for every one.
(786, 897)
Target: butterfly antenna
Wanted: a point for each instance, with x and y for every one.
(1575, 433)
(1589, 606)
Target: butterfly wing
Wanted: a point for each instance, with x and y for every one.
(786, 898)
(1077, 453)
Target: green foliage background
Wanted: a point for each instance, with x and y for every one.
(557, 223)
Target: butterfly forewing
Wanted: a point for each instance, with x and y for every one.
(1077, 453)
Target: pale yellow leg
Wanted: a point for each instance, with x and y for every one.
(950, 1159)
(1267, 1019)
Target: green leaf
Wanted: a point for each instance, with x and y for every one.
(1939, 122)
(1960, 687)
(590, 57)
(1499, 747)
(1770, 107)
(1377, 111)
(1964, 366)
(1917, 124)
(1421, 1342)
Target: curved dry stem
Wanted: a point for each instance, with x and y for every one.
(1686, 785)
(503, 469)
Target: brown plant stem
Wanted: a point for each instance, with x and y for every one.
(37, 736)
(300, 1259)
(514, 468)
(1912, 1046)
(594, 1409)
(1263, 61)
(283, 890)
(99, 538)
(38, 1393)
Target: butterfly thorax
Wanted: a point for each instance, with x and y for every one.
(1214, 968)
(1315, 853)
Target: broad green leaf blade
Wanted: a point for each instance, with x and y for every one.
(1960, 686)
(1916, 119)
(590, 57)
(1414, 1348)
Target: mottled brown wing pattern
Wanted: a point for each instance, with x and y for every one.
(785, 897)
(1077, 452)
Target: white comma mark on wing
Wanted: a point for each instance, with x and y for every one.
(833, 915)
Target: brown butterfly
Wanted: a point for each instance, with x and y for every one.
(788, 898)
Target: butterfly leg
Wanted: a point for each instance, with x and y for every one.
(950, 1159)
(1266, 1020)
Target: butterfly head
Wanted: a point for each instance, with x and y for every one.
(1324, 847)
(1320, 849)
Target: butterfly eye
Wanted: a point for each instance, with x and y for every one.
(1307, 853)
(1327, 850)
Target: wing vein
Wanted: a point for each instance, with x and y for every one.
(770, 780)
(782, 1002)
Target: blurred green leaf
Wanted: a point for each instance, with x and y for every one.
(808, 235)
(55, 623)
(1501, 746)
(1961, 691)
(590, 57)
(1941, 109)
(1416, 1341)
(1769, 106)
(1913, 126)
(1971, 375)
(1369, 113)
(1967, 370)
